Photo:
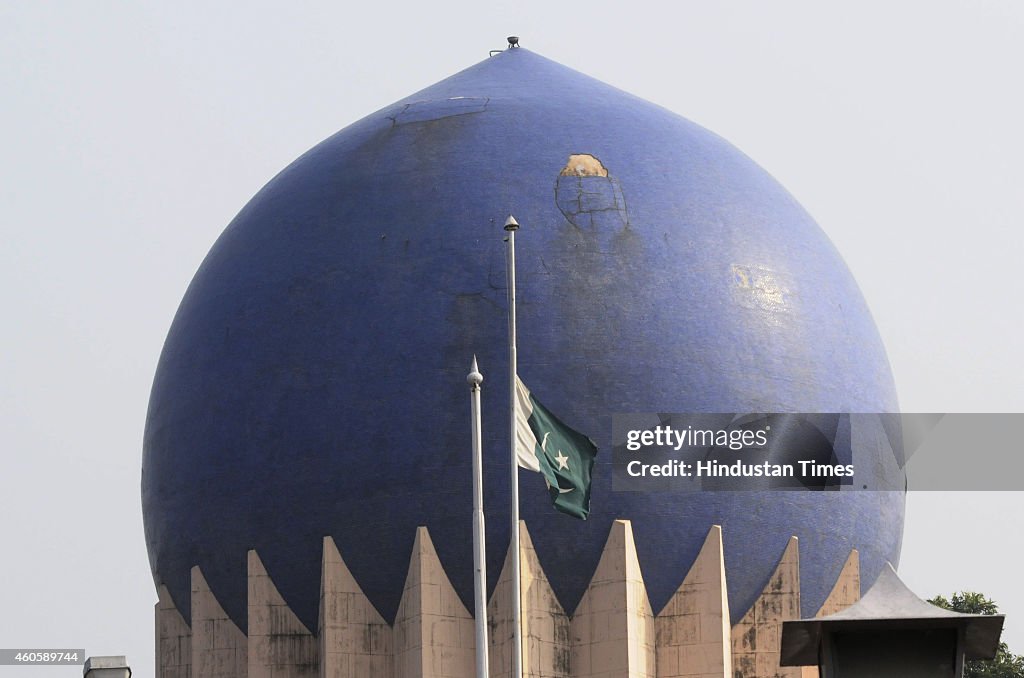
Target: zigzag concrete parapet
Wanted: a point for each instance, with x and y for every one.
(612, 633)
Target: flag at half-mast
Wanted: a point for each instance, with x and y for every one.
(565, 457)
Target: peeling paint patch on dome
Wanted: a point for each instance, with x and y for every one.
(588, 196)
(424, 111)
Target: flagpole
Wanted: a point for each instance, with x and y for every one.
(511, 226)
(479, 539)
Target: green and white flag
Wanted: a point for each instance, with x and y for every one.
(565, 457)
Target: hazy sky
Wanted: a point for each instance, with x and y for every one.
(131, 133)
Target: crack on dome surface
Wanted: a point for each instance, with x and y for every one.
(588, 196)
(425, 111)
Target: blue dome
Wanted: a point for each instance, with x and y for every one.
(313, 380)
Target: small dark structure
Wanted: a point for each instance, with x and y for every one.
(890, 633)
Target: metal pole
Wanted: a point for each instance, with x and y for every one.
(479, 539)
(511, 226)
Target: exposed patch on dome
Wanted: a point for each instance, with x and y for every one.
(583, 165)
(588, 196)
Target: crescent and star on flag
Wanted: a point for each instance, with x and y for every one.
(563, 462)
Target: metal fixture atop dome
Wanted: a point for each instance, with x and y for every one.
(513, 43)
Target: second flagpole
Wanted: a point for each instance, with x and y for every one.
(511, 226)
(479, 540)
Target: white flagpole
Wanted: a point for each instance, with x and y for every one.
(479, 539)
(511, 226)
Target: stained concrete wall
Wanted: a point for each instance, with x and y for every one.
(434, 634)
(173, 639)
(613, 632)
(693, 630)
(547, 650)
(279, 645)
(219, 648)
(756, 638)
(354, 640)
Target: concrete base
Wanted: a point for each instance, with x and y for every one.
(612, 633)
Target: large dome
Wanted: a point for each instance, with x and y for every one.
(313, 380)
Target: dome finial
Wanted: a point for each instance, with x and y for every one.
(513, 41)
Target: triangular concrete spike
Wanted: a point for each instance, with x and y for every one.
(425, 566)
(526, 549)
(533, 576)
(434, 634)
(421, 561)
(163, 598)
(200, 586)
(205, 605)
(613, 628)
(219, 648)
(354, 639)
(789, 560)
(337, 578)
(693, 629)
(546, 648)
(707, 567)
(756, 637)
(846, 591)
(173, 638)
(618, 562)
(263, 593)
(525, 543)
(499, 620)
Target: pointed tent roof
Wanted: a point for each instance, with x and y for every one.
(889, 605)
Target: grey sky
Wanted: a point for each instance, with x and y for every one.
(131, 133)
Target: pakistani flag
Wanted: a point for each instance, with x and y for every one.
(565, 457)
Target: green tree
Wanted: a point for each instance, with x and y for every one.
(1006, 664)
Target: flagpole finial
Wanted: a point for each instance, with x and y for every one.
(474, 377)
(511, 224)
